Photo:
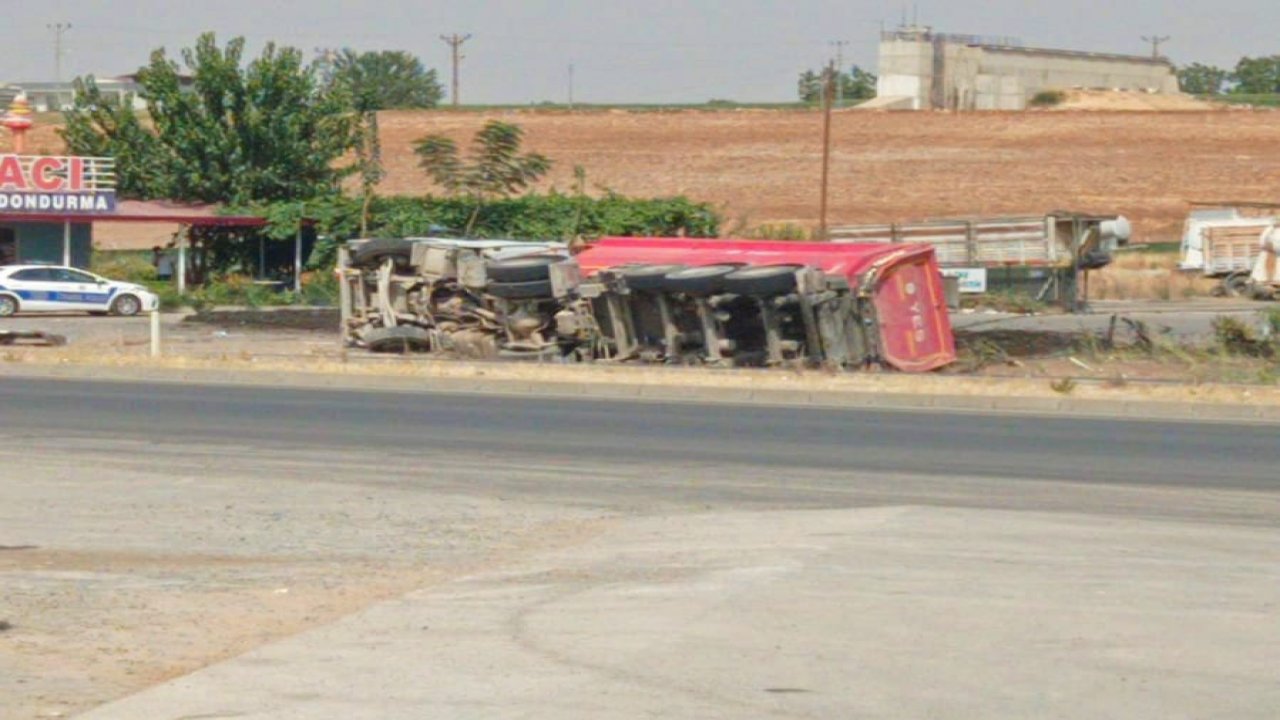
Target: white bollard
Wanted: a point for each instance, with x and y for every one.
(155, 333)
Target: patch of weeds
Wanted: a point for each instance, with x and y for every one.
(1009, 302)
(786, 231)
(1235, 337)
(1065, 386)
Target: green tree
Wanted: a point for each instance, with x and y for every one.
(857, 85)
(386, 80)
(1257, 76)
(220, 130)
(1198, 79)
(496, 168)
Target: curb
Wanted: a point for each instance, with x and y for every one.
(636, 392)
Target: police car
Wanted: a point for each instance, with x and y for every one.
(55, 288)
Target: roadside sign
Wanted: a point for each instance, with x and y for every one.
(973, 281)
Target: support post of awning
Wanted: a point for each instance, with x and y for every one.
(297, 260)
(66, 242)
(182, 260)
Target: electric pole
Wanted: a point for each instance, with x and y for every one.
(58, 29)
(455, 42)
(570, 86)
(1156, 41)
(839, 46)
(828, 96)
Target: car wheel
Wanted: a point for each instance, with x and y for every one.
(522, 270)
(520, 290)
(8, 306)
(706, 280)
(763, 280)
(126, 306)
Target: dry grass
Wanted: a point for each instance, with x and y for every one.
(1147, 276)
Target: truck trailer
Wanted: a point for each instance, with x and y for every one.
(726, 303)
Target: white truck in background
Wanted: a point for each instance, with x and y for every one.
(1224, 241)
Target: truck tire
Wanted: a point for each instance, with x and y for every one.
(520, 290)
(403, 339)
(522, 270)
(373, 253)
(1237, 284)
(762, 280)
(705, 280)
(647, 277)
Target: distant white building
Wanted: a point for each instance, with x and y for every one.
(921, 69)
(56, 96)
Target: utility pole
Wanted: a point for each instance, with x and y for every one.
(1156, 41)
(839, 46)
(58, 29)
(570, 86)
(828, 95)
(455, 42)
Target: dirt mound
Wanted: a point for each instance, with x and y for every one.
(1133, 101)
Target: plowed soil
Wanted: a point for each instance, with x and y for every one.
(762, 166)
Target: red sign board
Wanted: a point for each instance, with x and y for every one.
(45, 184)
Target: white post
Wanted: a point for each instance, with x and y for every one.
(66, 242)
(182, 261)
(297, 261)
(155, 333)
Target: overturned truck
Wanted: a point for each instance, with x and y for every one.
(656, 300)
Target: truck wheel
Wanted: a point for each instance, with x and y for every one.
(522, 270)
(8, 306)
(403, 339)
(764, 280)
(1236, 284)
(705, 280)
(373, 253)
(647, 277)
(520, 290)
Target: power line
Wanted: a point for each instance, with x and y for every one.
(455, 42)
(59, 29)
(1156, 41)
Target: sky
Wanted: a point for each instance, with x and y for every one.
(622, 51)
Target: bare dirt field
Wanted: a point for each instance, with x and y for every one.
(761, 166)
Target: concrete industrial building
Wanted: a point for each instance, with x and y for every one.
(921, 69)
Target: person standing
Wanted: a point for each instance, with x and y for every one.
(162, 262)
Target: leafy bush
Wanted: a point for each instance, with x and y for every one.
(1048, 98)
(129, 266)
(553, 216)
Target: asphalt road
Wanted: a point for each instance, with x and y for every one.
(832, 446)
(610, 559)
